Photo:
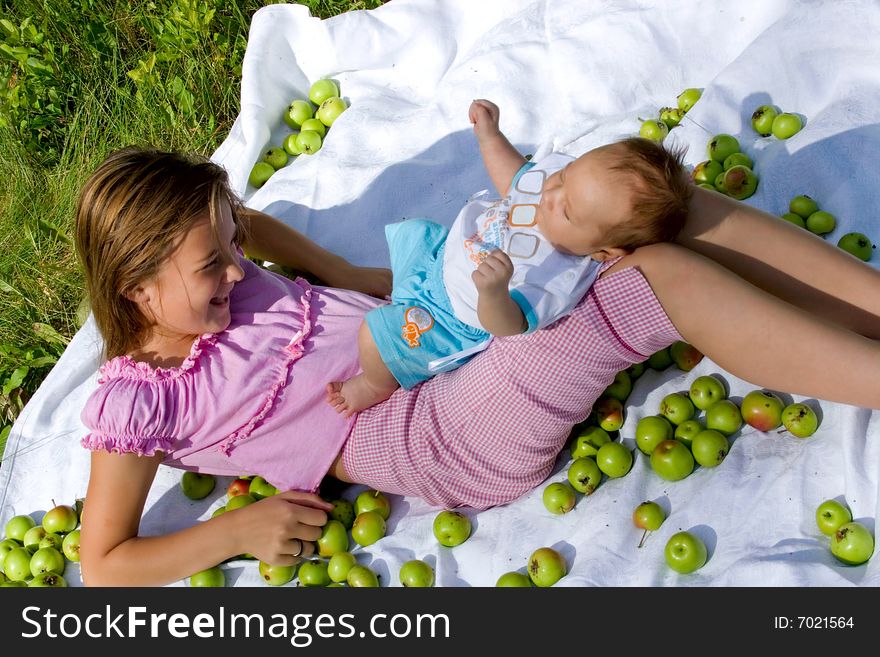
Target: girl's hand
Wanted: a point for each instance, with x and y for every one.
(494, 273)
(485, 115)
(282, 529)
(374, 281)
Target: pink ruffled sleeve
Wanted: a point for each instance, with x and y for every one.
(130, 415)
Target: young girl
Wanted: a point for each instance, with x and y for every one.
(219, 366)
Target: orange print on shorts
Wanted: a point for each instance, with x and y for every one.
(417, 320)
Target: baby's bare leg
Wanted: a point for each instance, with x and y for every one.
(374, 384)
(785, 260)
(755, 335)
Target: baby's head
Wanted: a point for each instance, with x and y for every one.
(134, 213)
(615, 198)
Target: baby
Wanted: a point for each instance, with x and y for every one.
(513, 265)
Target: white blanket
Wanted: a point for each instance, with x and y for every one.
(568, 75)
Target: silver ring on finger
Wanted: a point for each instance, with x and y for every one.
(300, 550)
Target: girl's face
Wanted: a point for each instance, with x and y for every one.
(190, 294)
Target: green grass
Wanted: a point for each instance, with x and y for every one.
(78, 79)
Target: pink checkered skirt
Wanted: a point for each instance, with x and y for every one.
(490, 431)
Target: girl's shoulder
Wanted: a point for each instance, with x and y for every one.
(128, 367)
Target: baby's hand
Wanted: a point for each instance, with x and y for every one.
(484, 114)
(494, 272)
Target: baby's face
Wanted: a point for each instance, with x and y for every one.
(581, 202)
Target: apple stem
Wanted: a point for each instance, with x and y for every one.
(644, 536)
(53, 502)
(783, 430)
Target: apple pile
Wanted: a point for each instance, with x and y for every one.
(310, 120)
(768, 119)
(851, 542)
(36, 555)
(669, 117)
(728, 170)
(803, 211)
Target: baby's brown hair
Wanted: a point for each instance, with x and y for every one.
(132, 214)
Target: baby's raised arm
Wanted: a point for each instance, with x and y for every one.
(500, 158)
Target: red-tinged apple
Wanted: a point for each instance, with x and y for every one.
(415, 573)
(684, 355)
(362, 577)
(343, 511)
(308, 142)
(858, 244)
(208, 578)
(709, 448)
(584, 475)
(588, 441)
(707, 172)
(738, 159)
(648, 516)
(546, 567)
(316, 125)
(240, 486)
(196, 486)
(852, 543)
(688, 98)
(762, 410)
(260, 174)
(49, 579)
(722, 146)
(60, 519)
(793, 218)
(260, 488)
(685, 552)
(514, 579)
(17, 527)
(651, 431)
(297, 112)
(289, 144)
(33, 536)
(762, 119)
(322, 90)
(451, 528)
(368, 527)
(276, 156)
(372, 500)
(786, 125)
(800, 420)
(831, 515)
(239, 501)
(559, 498)
(334, 538)
(314, 573)
(687, 431)
(70, 546)
(671, 116)
(803, 206)
(677, 408)
(614, 459)
(705, 391)
(724, 416)
(47, 560)
(740, 182)
(17, 564)
(654, 129)
(609, 413)
(330, 110)
(339, 565)
(620, 387)
(821, 222)
(659, 360)
(672, 460)
(276, 575)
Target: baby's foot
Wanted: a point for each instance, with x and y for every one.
(356, 394)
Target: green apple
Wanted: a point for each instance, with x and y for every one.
(60, 519)
(334, 538)
(314, 573)
(372, 500)
(3, 579)
(33, 536)
(800, 420)
(308, 142)
(49, 579)
(687, 98)
(719, 184)
(9, 584)
(705, 391)
(803, 206)
(451, 528)
(614, 459)
(676, 408)
(709, 448)
(724, 416)
(559, 498)
(793, 218)
(620, 387)
(316, 125)
(609, 413)
(584, 475)
(588, 441)
(260, 173)
(330, 110)
(514, 579)
(276, 575)
(687, 431)
(651, 431)
(762, 119)
(70, 546)
(684, 355)
(322, 90)
(339, 565)
(218, 511)
(276, 156)
(671, 116)
(722, 146)
(672, 460)
(740, 182)
(852, 544)
(46, 560)
(52, 540)
(343, 511)
(260, 488)
(762, 410)
(708, 186)
(636, 370)
(368, 527)
(654, 129)
(415, 573)
(208, 578)
(685, 552)
(546, 567)
(239, 501)
(79, 506)
(17, 564)
(831, 515)
(738, 159)
(786, 125)
(297, 112)
(707, 172)
(858, 244)
(196, 486)
(821, 222)
(7, 545)
(659, 360)
(289, 144)
(362, 577)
